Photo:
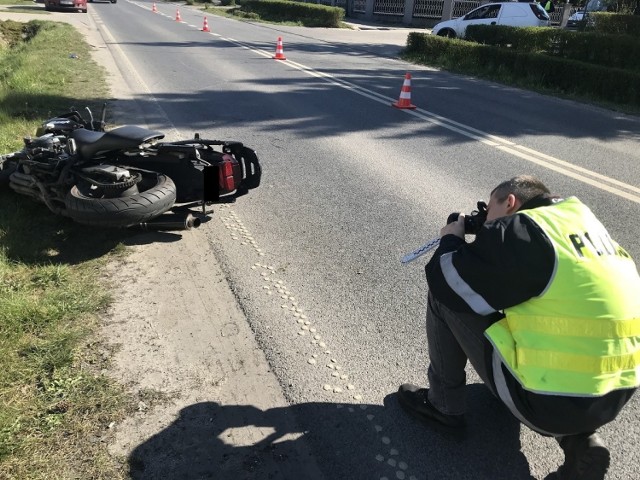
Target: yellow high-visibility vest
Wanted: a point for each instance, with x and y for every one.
(581, 336)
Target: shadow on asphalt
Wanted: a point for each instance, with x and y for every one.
(31, 234)
(348, 441)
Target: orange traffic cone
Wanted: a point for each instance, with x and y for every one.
(178, 18)
(279, 52)
(405, 94)
(154, 9)
(205, 27)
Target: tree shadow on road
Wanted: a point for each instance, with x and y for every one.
(348, 441)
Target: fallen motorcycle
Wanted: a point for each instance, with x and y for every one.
(126, 176)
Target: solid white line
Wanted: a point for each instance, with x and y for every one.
(580, 169)
(568, 173)
(502, 144)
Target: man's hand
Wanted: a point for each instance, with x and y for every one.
(455, 228)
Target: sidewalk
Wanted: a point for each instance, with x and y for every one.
(358, 24)
(377, 39)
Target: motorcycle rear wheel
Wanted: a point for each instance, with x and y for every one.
(157, 194)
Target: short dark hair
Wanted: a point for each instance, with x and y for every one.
(524, 187)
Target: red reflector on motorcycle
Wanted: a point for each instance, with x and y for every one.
(230, 174)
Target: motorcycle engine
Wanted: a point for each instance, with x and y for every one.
(46, 146)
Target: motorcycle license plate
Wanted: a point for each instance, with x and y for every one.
(66, 2)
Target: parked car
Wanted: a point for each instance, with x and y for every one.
(514, 14)
(66, 5)
(592, 6)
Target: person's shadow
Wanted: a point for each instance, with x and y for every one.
(329, 440)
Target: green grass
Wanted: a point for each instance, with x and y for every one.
(38, 77)
(55, 404)
(24, 6)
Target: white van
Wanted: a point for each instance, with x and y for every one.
(514, 14)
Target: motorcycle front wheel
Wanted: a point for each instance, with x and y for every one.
(152, 196)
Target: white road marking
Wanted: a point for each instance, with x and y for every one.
(267, 275)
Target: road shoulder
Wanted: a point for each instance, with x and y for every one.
(180, 333)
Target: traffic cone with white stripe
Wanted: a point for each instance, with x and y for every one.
(405, 94)
(279, 51)
(178, 17)
(154, 9)
(205, 27)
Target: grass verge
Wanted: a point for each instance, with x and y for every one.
(56, 405)
(23, 6)
(45, 68)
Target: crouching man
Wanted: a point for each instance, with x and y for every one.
(546, 307)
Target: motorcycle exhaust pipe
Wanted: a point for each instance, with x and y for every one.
(28, 185)
(170, 221)
(29, 192)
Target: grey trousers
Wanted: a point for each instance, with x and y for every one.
(454, 338)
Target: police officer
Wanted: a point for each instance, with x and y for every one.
(545, 306)
(548, 6)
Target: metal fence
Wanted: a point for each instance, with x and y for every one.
(556, 17)
(421, 8)
(388, 7)
(462, 7)
(431, 9)
(428, 8)
(359, 6)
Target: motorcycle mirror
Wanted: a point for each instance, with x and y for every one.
(90, 116)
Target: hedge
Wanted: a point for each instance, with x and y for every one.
(309, 14)
(613, 23)
(616, 51)
(525, 68)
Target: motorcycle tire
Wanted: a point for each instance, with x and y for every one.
(157, 195)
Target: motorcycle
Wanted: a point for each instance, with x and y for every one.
(126, 176)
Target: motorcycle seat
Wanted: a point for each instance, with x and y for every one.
(91, 144)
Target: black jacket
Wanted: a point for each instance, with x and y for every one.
(510, 261)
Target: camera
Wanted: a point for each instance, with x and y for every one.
(472, 222)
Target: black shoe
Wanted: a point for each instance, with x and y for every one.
(586, 457)
(415, 402)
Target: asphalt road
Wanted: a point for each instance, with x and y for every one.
(350, 185)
